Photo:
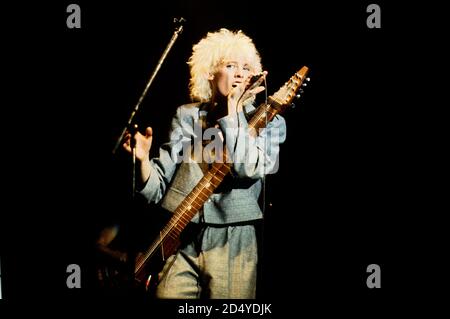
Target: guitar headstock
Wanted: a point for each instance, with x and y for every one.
(291, 89)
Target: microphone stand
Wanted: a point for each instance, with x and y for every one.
(132, 128)
(128, 126)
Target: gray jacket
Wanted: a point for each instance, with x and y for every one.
(174, 173)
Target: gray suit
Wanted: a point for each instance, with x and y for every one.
(221, 263)
(238, 202)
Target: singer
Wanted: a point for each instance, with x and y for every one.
(220, 259)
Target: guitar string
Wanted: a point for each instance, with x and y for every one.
(261, 239)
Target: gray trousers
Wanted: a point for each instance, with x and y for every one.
(220, 265)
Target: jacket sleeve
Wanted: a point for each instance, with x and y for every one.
(163, 167)
(253, 155)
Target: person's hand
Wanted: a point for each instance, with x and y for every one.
(142, 143)
(241, 92)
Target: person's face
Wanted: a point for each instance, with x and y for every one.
(231, 73)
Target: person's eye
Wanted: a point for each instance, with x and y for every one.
(246, 68)
(230, 66)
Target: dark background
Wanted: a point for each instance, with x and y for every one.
(347, 191)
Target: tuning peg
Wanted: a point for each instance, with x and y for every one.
(304, 84)
(298, 95)
(293, 105)
(308, 79)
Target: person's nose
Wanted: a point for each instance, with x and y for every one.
(239, 72)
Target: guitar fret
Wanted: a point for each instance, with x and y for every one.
(189, 198)
(220, 172)
(184, 208)
(200, 194)
(218, 179)
(201, 199)
(214, 176)
(214, 183)
(173, 235)
(183, 218)
(175, 221)
(205, 185)
(198, 189)
(187, 213)
(225, 169)
(196, 205)
(168, 229)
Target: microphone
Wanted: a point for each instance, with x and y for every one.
(256, 80)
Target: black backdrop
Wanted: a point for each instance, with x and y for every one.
(344, 193)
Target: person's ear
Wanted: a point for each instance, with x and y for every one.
(210, 76)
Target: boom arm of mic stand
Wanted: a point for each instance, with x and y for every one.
(177, 32)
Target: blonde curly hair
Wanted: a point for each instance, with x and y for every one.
(211, 51)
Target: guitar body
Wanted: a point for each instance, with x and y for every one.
(147, 276)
